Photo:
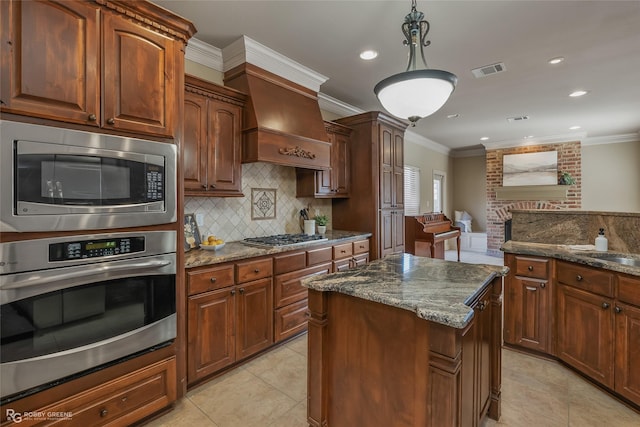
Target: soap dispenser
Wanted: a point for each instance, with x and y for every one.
(601, 241)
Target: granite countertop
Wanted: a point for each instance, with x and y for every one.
(582, 254)
(436, 290)
(233, 251)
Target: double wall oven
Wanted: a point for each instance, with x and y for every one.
(85, 295)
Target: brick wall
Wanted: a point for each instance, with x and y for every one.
(498, 211)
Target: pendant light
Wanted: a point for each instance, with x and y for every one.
(415, 93)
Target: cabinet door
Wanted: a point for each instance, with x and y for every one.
(224, 171)
(386, 167)
(254, 318)
(341, 165)
(398, 231)
(50, 60)
(627, 373)
(139, 78)
(484, 312)
(585, 333)
(195, 142)
(527, 313)
(211, 322)
(398, 170)
(361, 259)
(386, 233)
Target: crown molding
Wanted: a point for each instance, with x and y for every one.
(204, 54)
(414, 138)
(477, 152)
(551, 139)
(333, 105)
(248, 50)
(612, 139)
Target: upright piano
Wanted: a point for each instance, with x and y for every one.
(425, 234)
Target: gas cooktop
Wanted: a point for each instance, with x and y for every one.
(283, 240)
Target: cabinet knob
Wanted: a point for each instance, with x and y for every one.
(104, 413)
(242, 290)
(257, 270)
(579, 278)
(111, 121)
(204, 186)
(213, 280)
(233, 291)
(543, 285)
(212, 186)
(530, 268)
(92, 118)
(605, 305)
(618, 309)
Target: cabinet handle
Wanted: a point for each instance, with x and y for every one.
(103, 413)
(242, 290)
(343, 251)
(530, 268)
(605, 305)
(213, 280)
(92, 118)
(111, 121)
(579, 278)
(543, 285)
(212, 186)
(618, 309)
(204, 186)
(233, 291)
(257, 270)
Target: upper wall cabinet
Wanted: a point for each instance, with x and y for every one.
(333, 183)
(212, 139)
(110, 64)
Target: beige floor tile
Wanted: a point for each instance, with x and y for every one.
(283, 369)
(299, 345)
(184, 414)
(241, 399)
(524, 406)
(296, 417)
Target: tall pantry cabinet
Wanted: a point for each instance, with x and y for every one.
(377, 182)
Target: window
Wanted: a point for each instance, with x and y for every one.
(438, 191)
(411, 190)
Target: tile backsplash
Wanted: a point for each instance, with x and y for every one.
(230, 217)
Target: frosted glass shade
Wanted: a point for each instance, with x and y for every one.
(415, 94)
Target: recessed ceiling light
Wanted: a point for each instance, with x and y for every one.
(528, 137)
(556, 60)
(453, 116)
(368, 55)
(574, 127)
(484, 138)
(578, 93)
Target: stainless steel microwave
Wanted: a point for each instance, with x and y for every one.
(56, 179)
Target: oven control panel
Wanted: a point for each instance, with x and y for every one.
(83, 249)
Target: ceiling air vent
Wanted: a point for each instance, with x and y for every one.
(517, 119)
(487, 70)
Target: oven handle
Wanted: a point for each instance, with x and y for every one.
(51, 276)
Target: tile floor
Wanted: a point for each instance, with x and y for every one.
(270, 391)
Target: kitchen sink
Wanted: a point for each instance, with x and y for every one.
(620, 259)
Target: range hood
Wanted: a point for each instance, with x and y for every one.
(282, 122)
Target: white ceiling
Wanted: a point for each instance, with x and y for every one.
(599, 39)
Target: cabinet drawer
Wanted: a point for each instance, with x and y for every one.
(290, 320)
(342, 251)
(317, 256)
(592, 280)
(361, 246)
(629, 290)
(287, 287)
(125, 400)
(209, 279)
(252, 270)
(537, 268)
(289, 262)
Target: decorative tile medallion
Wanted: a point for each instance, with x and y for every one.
(263, 203)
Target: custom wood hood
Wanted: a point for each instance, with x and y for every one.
(282, 123)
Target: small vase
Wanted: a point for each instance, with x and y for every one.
(322, 229)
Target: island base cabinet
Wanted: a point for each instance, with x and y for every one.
(436, 375)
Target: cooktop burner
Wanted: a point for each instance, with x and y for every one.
(282, 240)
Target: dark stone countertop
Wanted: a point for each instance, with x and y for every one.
(233, 251)
(581, 254)
(436, 290)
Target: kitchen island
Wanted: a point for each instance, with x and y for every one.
(405, 341)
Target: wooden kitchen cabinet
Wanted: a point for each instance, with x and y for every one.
(229, 324)
(93, 64)
(333, 183)
(212, 139)
(528, 319)
(350, 255)
(376, 204)
(627, 356)
(586, 321)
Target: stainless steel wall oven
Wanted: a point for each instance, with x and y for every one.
(55, 179)
(71, 304)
